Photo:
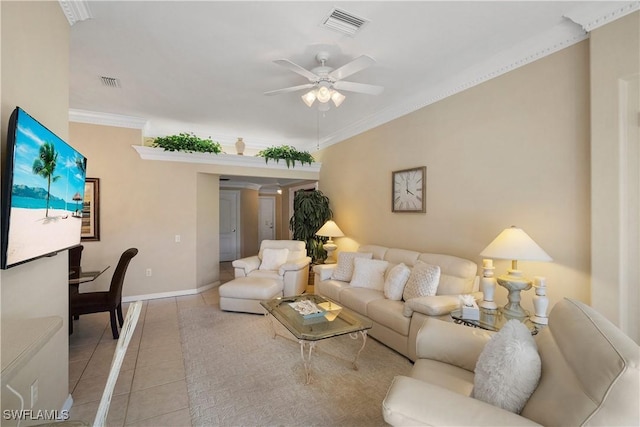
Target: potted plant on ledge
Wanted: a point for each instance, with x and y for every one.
(187, 142)
(287, 153)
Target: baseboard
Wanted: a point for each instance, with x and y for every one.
(172, 293)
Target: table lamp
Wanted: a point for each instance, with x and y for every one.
(514, 244)
(330, 229)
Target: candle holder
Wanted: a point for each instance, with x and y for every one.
(488, 285)
(540, 301)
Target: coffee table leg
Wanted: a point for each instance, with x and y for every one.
(307, 360)
(364, 341)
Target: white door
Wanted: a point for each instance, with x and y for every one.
(229, 221)
(266, 218)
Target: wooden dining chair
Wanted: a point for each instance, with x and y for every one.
(111, 300)
(75, 261)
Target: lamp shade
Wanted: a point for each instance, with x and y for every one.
(514, 244)
(330, 229)
(337, 98)
(309, 98)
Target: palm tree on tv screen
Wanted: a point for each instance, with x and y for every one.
(81, 163)
(45, 165)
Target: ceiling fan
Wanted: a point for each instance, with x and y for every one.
(325, 81)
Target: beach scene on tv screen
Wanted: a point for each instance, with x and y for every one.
(47, 193)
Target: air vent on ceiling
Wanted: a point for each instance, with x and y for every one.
(344, 22)
(110, 81)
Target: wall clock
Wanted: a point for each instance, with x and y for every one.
(408, 188)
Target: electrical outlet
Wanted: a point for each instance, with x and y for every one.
(34, 393)
(177, 238)
(148, 272)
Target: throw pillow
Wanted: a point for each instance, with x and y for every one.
(508, 368)
(395, 282)
(368, 273)
(344, 267)
(423, 281)
(272, 259)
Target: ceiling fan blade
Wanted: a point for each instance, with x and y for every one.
(358, 87)
(358, 64)
(289, 89)
(297, 69)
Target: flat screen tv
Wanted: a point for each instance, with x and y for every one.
(42, 192)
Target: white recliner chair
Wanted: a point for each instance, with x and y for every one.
(281, 268)
(590, 376)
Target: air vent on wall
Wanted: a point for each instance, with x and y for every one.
(344, 22)
(110, 81)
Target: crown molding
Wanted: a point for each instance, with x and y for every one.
(596, 14)
(560, 37)
(106, 119)
(75, 10)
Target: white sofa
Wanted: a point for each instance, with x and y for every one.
(396, 323)
(590, 376)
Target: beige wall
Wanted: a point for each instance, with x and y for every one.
(249, 221)
(511, 151)
(145, 204)
(35, 76)
(615, 60)
(207, 236)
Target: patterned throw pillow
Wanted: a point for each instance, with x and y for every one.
(344, 268)
(368, 273)
(396, 281)
(272, 259)
(423, 281)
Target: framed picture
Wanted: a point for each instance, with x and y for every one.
(91, 211)
(409, 190)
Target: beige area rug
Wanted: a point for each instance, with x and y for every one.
(239, 375)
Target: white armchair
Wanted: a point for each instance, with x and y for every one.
(293, 274)
(590, 376)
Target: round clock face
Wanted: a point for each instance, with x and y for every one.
(407, 190)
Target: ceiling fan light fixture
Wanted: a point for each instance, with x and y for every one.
(309, 98)
(323, 94)
(337, 98)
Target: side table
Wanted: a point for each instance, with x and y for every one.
(491, 320)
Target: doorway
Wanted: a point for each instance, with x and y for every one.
(229, 225)
(266, 218)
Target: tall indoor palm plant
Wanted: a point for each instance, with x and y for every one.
(310, 211)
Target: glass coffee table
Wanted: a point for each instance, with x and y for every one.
(330, 321)
(491, 320)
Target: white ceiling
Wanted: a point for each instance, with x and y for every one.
(203, 66)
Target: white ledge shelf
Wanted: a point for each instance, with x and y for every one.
(155, 153)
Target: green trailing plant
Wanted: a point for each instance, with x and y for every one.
(310, 211)
(287, 153)
(187, 142)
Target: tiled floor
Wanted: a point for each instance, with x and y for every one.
(151, 388)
